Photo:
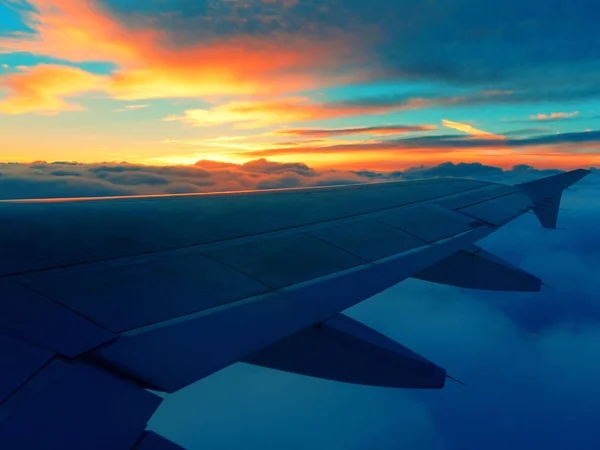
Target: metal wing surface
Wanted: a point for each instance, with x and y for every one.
(101, 298)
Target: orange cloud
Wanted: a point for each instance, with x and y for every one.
(151, 66)
(75, 31)
(44, 88)
(466, 128)
(554, 116)
(255, 114)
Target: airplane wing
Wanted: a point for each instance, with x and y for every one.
(103, 299)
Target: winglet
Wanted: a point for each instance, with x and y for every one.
(546, 194)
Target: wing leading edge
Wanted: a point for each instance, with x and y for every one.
(111, 307)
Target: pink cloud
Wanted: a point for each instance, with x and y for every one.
(554, 116)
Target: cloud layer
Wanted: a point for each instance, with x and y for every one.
(68, 179)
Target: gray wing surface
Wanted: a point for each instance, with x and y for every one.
(102, 299)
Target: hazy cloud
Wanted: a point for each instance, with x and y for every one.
(67, 179)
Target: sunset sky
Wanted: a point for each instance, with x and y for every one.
(111, 98)
(348, 84)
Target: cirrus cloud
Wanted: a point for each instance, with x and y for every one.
(466, 128)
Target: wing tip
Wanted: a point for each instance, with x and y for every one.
(546, 193)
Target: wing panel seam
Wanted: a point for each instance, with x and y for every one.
(233, 240)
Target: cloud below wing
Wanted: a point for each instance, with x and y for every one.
(61, 179)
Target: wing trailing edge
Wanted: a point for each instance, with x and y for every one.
(546, 194)
(475, 268)
(343, 349)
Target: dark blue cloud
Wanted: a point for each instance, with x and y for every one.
(190, 21)
(264, 166)
(65, 173)
(50, 180)
(17, 188)
(449, 95)
(549, 47)
(450, 142)
(134, 179)
(527, 131)
(115, 168)
(456, 170)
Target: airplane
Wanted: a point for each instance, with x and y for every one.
(104, 300)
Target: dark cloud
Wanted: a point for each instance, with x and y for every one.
(12, 187)
(189, 21)
(270, 167)
(519, 173)
(39, 165)
(558, 138)
(376, 175)
(456, 170)
(82, 180)
(449, 142)
(511, 44)
(453, 96)
(526, 131)
(323, 132)
(49, 180)
(135, 179)
(115, 168)
(65, 173)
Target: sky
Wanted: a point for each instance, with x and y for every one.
(344, 84)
